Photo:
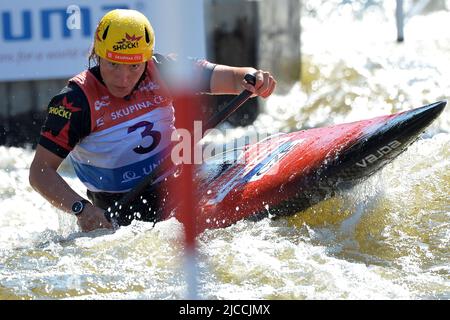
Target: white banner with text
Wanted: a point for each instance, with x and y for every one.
(51, 39)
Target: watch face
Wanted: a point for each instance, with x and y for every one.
(77, 207)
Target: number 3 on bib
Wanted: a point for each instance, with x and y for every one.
(148, 126)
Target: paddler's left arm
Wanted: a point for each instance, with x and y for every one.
(230, 80)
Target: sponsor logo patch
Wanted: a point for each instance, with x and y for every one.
(103, 102)
(129, 42)
(122, 57)
(65, 110)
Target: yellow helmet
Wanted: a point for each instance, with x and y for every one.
(124, 36)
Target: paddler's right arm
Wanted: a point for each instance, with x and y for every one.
(45, 179)
(68, 121)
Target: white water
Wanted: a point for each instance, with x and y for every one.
(386, 239)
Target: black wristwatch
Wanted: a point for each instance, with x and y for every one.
(78, 207)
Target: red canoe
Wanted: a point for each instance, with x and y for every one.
(288, 173)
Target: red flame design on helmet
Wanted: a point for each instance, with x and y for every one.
(132, 38)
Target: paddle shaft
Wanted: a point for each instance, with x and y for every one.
(166, 164)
